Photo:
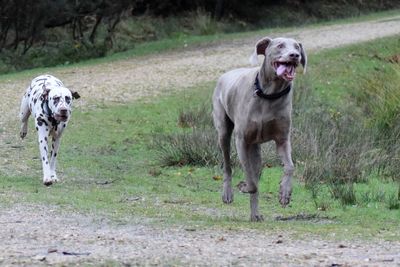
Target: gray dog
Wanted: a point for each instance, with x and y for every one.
(256, 103)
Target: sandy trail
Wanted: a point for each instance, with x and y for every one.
(35, 235)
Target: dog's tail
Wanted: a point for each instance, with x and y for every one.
(254, 59)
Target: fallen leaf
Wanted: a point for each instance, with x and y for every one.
(217, 177)
(220, 239)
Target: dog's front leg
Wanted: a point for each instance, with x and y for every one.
(54, 152)
(285, 191)
(250, 158)
(43, 133)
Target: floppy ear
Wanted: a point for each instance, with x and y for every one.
(260, 48)
(75, 95)
(303, 60)
(45, 93)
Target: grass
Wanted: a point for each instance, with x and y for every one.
(110, 167)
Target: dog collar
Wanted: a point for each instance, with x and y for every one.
(258, 91)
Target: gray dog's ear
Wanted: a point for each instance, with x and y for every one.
(303, 60)
(260, 48)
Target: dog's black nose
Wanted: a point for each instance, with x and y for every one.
(63, 111)
(294, 55)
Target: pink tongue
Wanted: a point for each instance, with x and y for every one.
(280, 70)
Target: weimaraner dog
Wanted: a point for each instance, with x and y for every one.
(256, 104)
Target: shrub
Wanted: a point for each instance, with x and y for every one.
(380, 97)
(194, 147)
(331, 146)
(195, 144)
(393, 201)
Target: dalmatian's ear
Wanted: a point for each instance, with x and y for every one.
(45, 93)
(75, 95)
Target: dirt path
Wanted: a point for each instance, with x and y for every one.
(28, 233)
(29, 237)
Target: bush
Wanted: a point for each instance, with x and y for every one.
(196, 143)
(197, 147)
(380, 98)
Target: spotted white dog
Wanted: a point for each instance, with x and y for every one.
(50, 104)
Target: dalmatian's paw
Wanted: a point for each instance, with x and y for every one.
(23, 132)
(47, 181)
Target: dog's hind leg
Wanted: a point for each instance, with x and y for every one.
(224, 127)
(24, 114)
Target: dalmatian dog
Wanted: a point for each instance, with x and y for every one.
(49, 102)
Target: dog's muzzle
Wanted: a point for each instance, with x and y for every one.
(286, 69)
(62, 115)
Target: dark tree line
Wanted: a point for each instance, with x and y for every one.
(23, 22)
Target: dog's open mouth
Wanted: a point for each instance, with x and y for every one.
(285, 69)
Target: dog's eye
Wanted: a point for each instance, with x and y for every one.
(280, 46)
(56, 99)
(297, 47)
(67, 99)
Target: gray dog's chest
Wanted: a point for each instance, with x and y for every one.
(265, 129)
(259, 121)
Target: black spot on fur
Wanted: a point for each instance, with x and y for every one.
(37, 128)
(53, 122)
(43, 159)
(56, 100)
(41, 121)
(55, 154)
(45, 138)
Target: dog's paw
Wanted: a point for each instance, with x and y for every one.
(227, 195)
(256, 218)
(246, 188)
(23, 134)
(47, 181)
(284, 196)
